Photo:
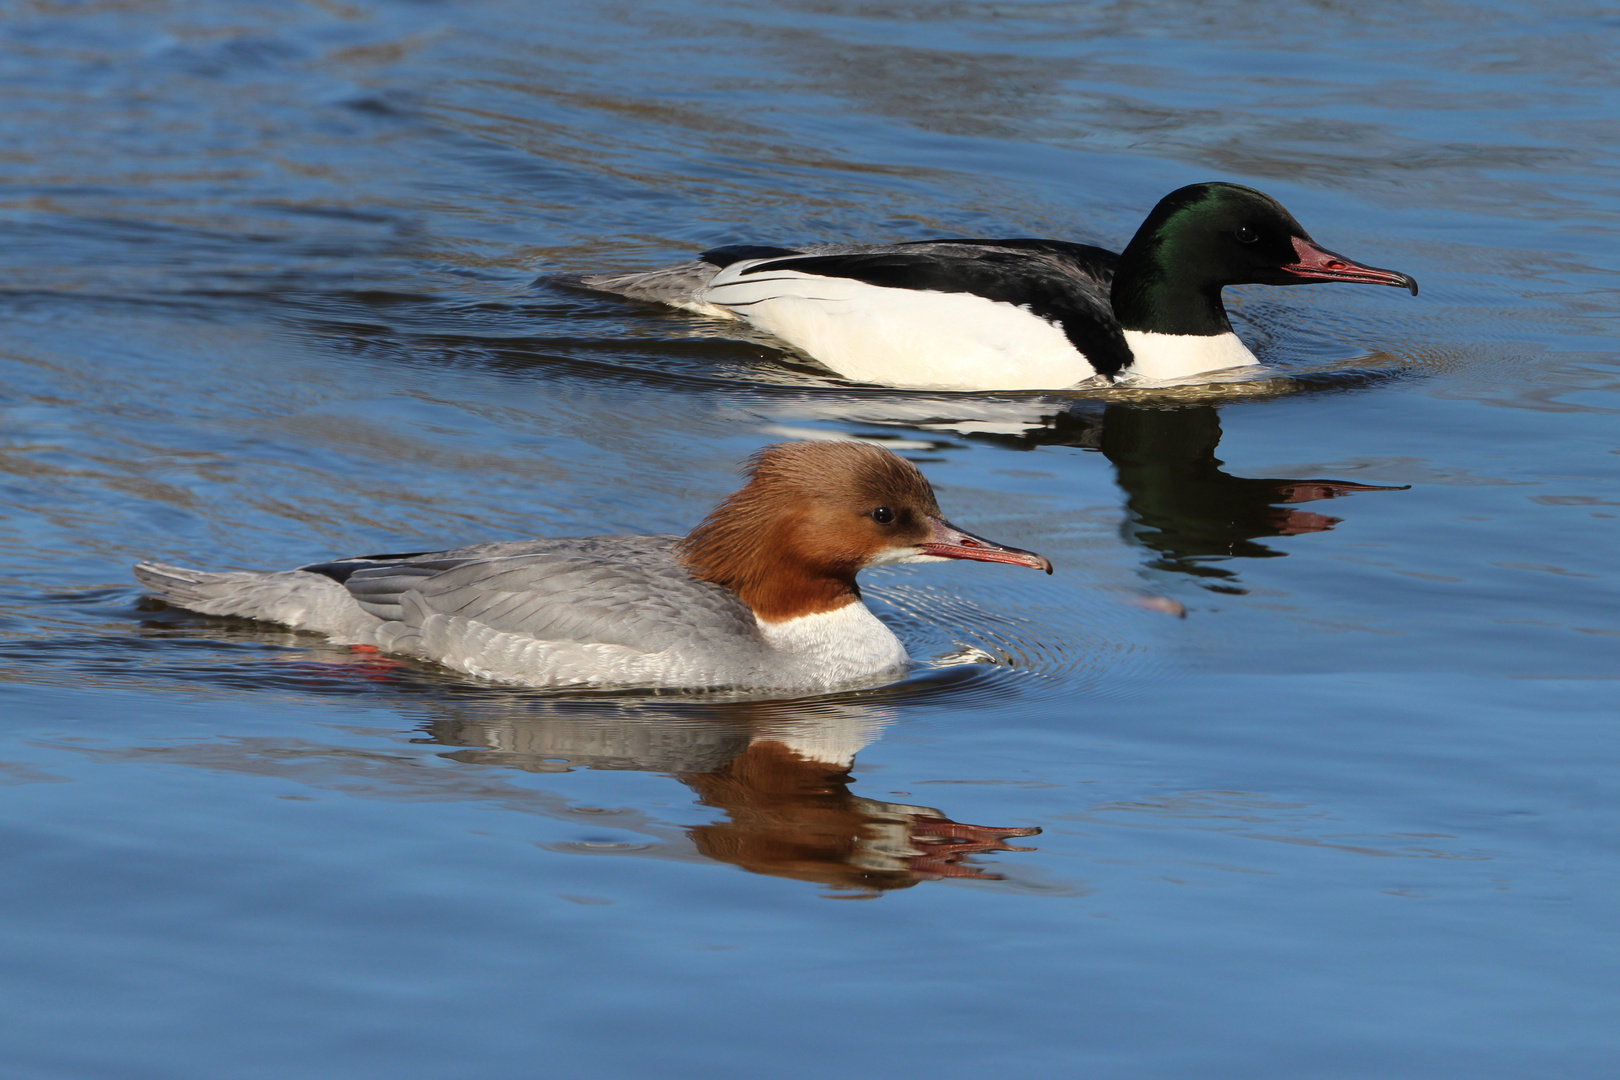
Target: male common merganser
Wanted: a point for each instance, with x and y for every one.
(760, 595)
(1015, 314)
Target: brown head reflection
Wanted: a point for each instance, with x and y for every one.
(789, 815)
(781, 780)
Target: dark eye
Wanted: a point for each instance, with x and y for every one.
(883, 516)
(1245, 234)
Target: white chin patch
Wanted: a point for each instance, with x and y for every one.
(891, 556)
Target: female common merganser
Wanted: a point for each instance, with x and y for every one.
(760, 595)
(1015, 314)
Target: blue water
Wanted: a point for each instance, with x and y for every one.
(276, 286)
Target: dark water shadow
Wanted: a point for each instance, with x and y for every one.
(1188, 512)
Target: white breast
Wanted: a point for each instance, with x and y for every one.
(839, 646)
(1169, 357)
(903, 337)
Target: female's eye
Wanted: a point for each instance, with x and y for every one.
(1246, 235)
(883, 515)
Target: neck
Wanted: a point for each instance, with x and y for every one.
(1158, 292)
(765, 569)
(783, 597)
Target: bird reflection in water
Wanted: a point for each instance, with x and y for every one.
(782, 780)
(789, 815)
(1192, 514)
(1182, 506)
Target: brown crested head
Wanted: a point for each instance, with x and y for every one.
(813, 515)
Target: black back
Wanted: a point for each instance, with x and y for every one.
(725, 256)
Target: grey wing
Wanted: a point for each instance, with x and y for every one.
(685, 285)
(642, 600)
(613, 546)
(681, 285)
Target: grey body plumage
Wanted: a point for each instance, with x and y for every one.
(761, 595)
(561, 612)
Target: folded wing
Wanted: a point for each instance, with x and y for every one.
(614, 591)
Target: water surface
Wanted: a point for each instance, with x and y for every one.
(277, 286)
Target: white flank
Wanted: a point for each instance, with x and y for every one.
(840, 646)
(829, 649)
(903, 337)
(1163, 357)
